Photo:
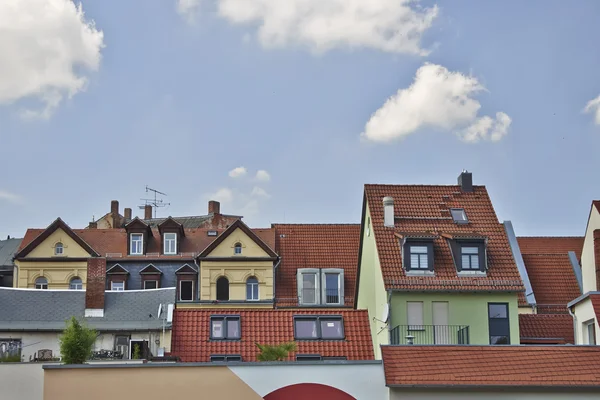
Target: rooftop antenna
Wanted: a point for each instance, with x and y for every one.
(155, 202)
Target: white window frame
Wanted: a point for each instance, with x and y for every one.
(340, 273)
(168, 242)
(463, 215)
(257, 284)
(78, 284)
(587, 326)
(235, 247)
(120, 283)
(185, 280)
(57, 247)
(42, 286)
(141, 247)
(470, 256)
(300, 281)
(151, 280)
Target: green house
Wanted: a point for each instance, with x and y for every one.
(436, 266)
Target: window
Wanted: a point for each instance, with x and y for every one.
(418, 257)
(469, 258)
(76, 284)
(320, 286)
(332, 288)
(186, 290)
(41, 283)
(170, 243)
(309, 288)
(150, 285)
(237, 248)
(459, 216)
(223, 288)
(590, 331)
(136, 245)
(225, 358)
(308, 357)
(58, 249)
(252, 289)
(118, 286)
(323, 327)
(414, 315)
(225, 327)
(499, 323)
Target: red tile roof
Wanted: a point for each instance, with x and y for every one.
(551, 244)
(510, 366)
(191, 334)
(596, 204)
(546, 328)
(595, 298)
(114, 241)
(315, 246)
(425, 208)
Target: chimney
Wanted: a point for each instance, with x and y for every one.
(214, 207)
(93, 225)
(148, 211)
(95, 287)
(128, 214)
(388, 212)
(465, 181)
(114, 212)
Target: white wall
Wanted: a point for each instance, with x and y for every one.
(588, 264)
(22, 381)
(584, 311)
(471, 394)
(362, 381)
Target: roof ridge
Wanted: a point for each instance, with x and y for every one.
(319, 224)
(550, 237)
(416, 185)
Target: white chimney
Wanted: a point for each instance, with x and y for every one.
(388, 212)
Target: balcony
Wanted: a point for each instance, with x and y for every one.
(430, 334)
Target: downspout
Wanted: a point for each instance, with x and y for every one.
(275, 279)
(574, 325)
(198, 281)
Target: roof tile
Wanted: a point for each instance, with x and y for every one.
(546, 328)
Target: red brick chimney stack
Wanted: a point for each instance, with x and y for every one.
(214, 207)
(114, 212)
(127, 214)
(95, 287)
(148, 211)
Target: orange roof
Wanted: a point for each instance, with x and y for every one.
(114, 241)
(315, 246)
(191, 334)
(426, 208)
(551, 244)
(516, 366)
(546, 328)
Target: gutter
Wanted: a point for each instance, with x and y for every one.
(516, 252)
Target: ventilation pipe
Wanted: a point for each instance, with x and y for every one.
(388, 212)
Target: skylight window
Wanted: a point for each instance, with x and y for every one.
(459, 216)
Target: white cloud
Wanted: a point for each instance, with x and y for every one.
(593, 107)
(188, 9)
(394, 26)
(259, 192)
(263, 176)
(223, 195)
(45, 47)
(440, 99)
(10, 197)
(238, 172)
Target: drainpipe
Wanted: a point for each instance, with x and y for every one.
(198, 282)
(275, 280)
(574, 325)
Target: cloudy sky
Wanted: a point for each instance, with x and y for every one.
(282, 110)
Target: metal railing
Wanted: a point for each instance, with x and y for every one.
(430, 334)
(311, 296)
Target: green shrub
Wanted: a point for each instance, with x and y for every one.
(76, 342)
(278, 352)
(10, 358)
(137, 352)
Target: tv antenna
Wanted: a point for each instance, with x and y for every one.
(154, 202)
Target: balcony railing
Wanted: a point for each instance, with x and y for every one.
(430, 334)
(310, 296)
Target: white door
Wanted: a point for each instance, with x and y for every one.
(441, 330)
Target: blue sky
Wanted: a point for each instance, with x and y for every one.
(178, 93)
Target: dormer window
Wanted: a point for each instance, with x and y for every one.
(469, 257)
(136, 245)
(237, 249)
(320, 286)
(418, 255)
(170, 243)
(459, 216)
(58, 249)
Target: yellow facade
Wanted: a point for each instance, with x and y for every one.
(236, 271)
(57, 269)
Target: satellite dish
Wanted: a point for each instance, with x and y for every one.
(159, 311)
(386, 313)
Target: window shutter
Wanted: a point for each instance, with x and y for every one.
(414, 312)
(299, 285)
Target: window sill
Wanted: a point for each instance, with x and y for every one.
(419, 273)
(471, 273)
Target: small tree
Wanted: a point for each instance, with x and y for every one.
(278, 352)
(76, 342)
(137, 353)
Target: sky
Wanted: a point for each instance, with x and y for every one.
(284, 110)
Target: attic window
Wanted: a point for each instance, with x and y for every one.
(237, 249)
(58, 249)
(459, 216)
(211, 233)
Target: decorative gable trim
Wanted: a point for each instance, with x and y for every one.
(137, 224)
(244, 228)
(57, 224)
(117, 269)
(150, 269)
(170, 225)
(186, 269)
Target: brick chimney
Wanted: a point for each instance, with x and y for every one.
(114, 212)
(597, 256)
(465, 181)
(93, 225)
(95, 287)
(214, 207)
(127, 213)
(147, 211)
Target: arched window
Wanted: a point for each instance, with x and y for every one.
(58, 249)
(237, 248)
(41, 283)
(222, 288)
(76, 284)
(252, 289)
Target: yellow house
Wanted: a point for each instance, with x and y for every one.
(54, 258)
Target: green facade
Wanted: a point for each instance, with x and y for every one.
(470, 309)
